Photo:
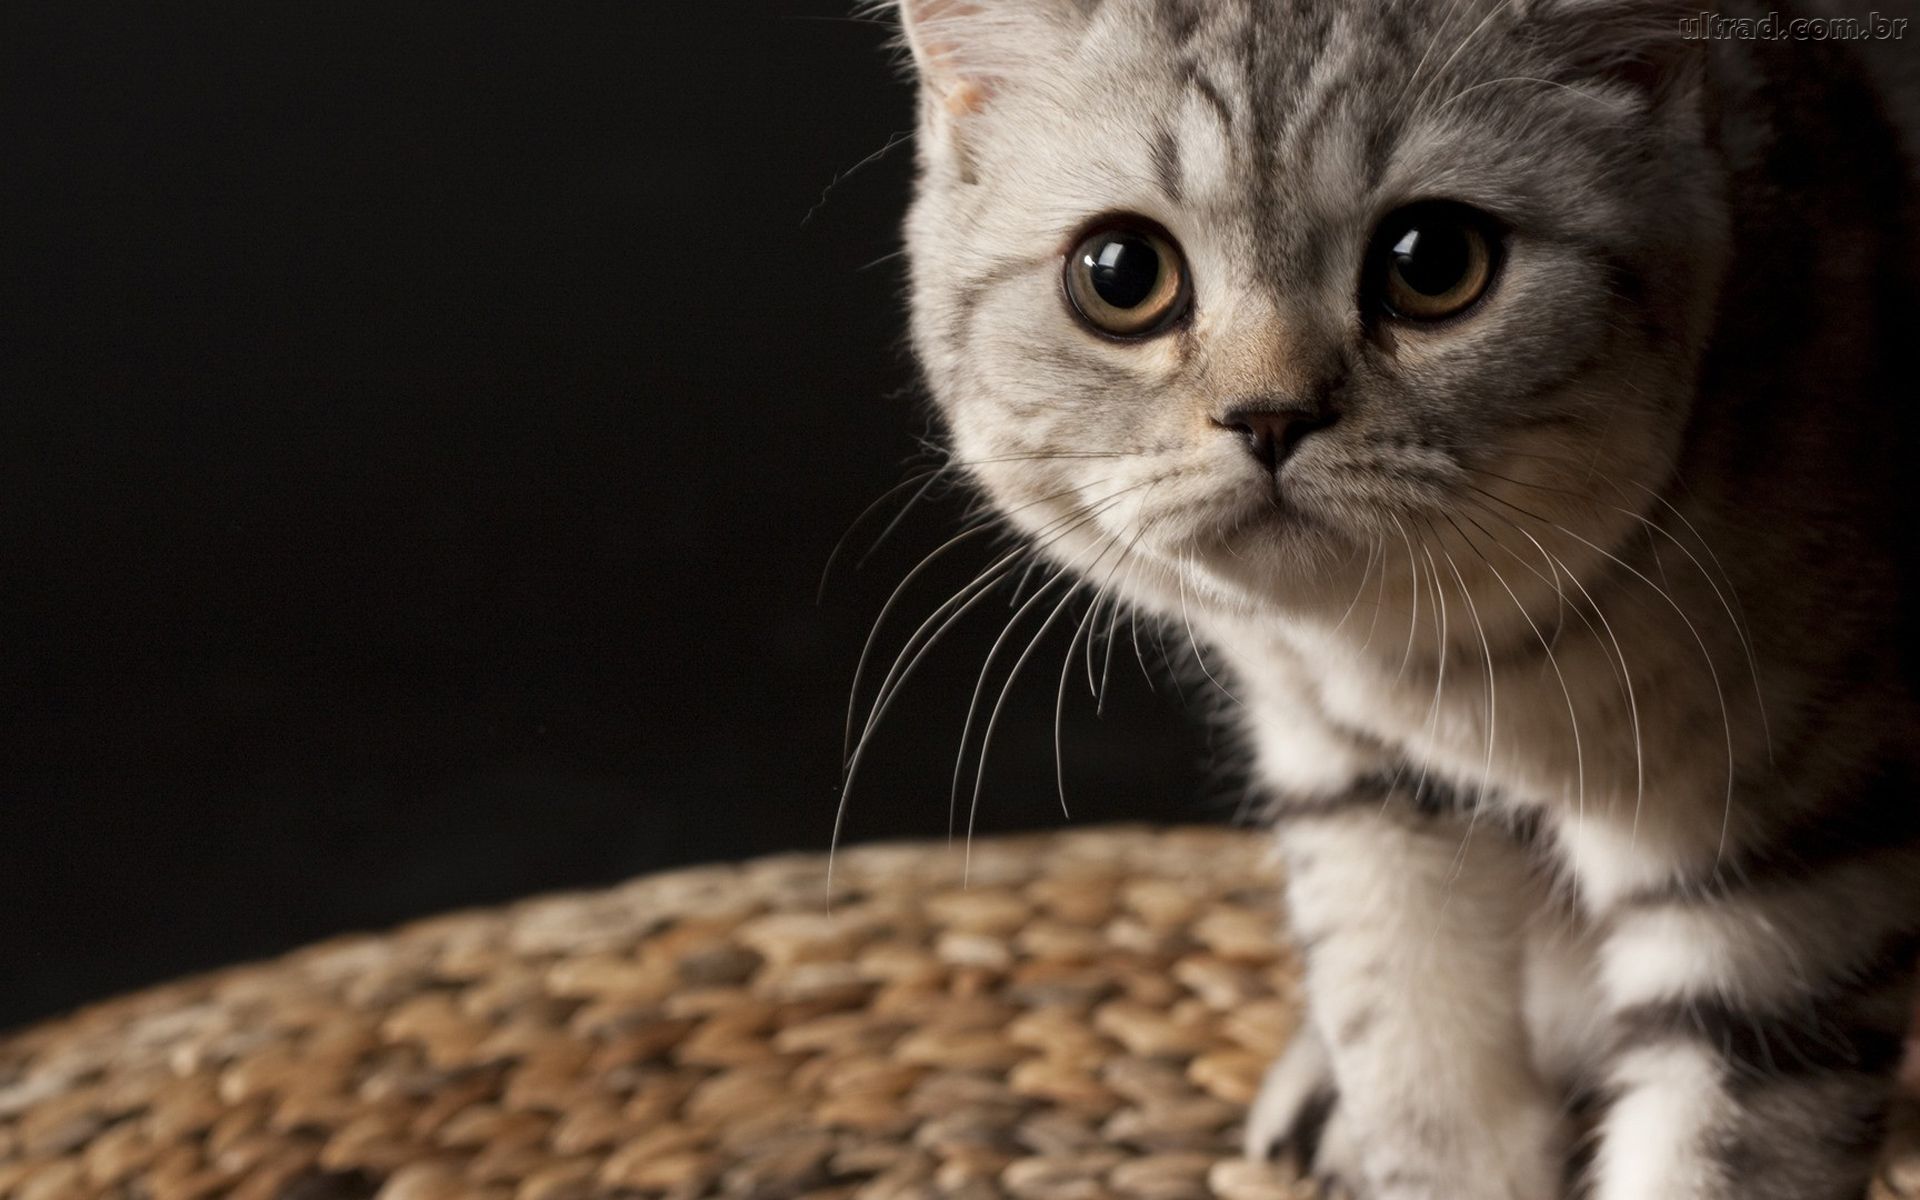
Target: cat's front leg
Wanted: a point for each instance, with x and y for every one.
(1758, 1014)
(1412, 933)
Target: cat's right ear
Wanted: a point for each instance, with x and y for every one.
(966, 51)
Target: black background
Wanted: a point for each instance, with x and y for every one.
(422, 429)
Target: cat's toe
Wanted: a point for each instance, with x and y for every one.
(1297, 1101)
(1296, 1119)
(1335, 1165)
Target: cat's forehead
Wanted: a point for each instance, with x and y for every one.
(1289, 117)
(1275, 46)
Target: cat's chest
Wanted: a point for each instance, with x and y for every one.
(1510, 735)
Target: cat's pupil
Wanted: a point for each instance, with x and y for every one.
(1123, 269)
(1433, 259)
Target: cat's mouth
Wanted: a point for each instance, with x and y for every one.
(1267, 510)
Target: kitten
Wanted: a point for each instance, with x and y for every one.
(1509, 394)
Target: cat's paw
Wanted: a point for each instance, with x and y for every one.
(1508, 1151)
(1296, 1118)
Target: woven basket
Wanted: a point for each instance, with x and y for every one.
(1085, 1018)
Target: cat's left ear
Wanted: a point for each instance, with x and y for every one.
(966, 51)
(1653, 46)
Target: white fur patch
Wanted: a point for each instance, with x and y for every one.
(1612, 860)
(1206, 155)
(1756, 948)
(1303, 757)
(1654, 1142)
(1668, 954)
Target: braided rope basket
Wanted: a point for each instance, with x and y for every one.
(1084, 1019)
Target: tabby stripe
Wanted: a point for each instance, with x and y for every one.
(1165, 152)
(1426, 797)
(1197, 79)
(1769, 1046)
(1830, 1031)
(1178, 19)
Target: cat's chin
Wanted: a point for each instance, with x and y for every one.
(1273, 554)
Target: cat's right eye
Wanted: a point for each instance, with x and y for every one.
(1126, 279)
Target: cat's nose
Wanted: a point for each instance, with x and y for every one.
(1272, 432)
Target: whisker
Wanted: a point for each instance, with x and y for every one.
(1413, 618)
(927, 474)
(1581, 92)
(1626, 675)
(1573, 717)
(895, 681)
(898, 137)
(1106, 667)
(1440, 672)
(1379, 598)
(1140, 655)
(1486, 772)
(1006, 689)
(981, 587)
(1706, 654)
(1364, 573)
(1421, 100)
(993, 716)
(900, 589)
(1066, 666)
(1199, 658)
(993, 653)
(1736, 615)
(1093, 637)
(1413, 77)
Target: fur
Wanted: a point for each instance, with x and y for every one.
(1570, 654)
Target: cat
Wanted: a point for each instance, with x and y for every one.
(1510, 397)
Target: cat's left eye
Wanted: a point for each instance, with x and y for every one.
(1125, 278)
(1432, 261)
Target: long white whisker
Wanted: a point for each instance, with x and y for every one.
(1486, 648)
(1573, 717)
(1379, 597)
(980, 587)
(1440, 672)
(1139, 655)
(925, 477)
(1441, 70)
(1013, 675)
(1626, 675)
(1413, 618)
(893, 600)
(1735, 615)
(1713, 672)
(986, 668)
(1194, 642)
(1413, 77)
(1365, 571)
(1066, 668)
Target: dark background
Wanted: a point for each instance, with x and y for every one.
(422, 429)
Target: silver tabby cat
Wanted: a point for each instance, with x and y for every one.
(1509, 396)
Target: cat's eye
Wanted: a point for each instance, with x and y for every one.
(1432, 261)
(1125, 278)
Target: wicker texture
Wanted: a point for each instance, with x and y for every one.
(1084, 1019)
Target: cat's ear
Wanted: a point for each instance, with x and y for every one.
(1652, 46)
(967, 50)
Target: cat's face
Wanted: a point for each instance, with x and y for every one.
(1235, 294)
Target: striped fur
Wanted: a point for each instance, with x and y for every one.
(1570, 654)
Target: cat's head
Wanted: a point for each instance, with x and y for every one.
(1236, 293)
